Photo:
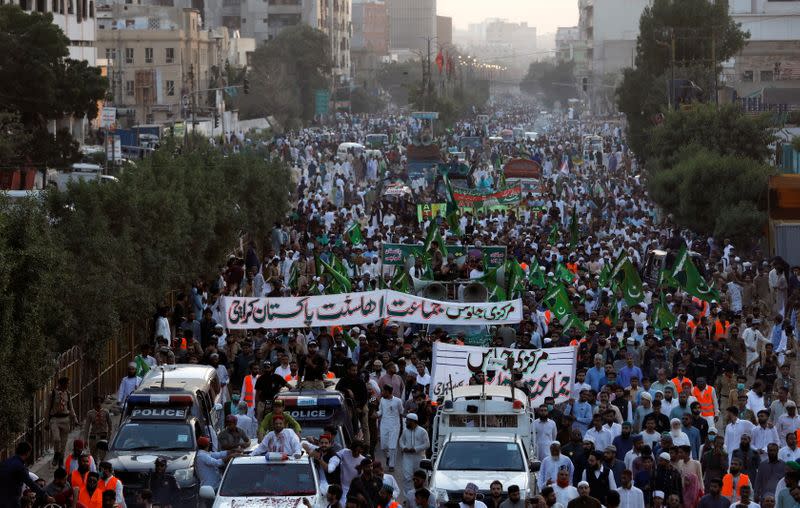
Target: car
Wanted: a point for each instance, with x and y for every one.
(315, 410)
(264, 481)
(157, 425)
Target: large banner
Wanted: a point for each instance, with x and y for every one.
(547, 372)
(476, 198)
(395, 254)
(363, 308)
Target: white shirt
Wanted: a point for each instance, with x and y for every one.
(751, 505)
(597, 472)
(247, 424)
(761, 437)
(601, 438)
(733, 434)
(416, 439)
(545, 434)
(550, 468)
(630, 498)
(786, 454)
(785, 425)
(755, 402)
(478, 504)
(126, 387)
(566, 494)
(286, 442)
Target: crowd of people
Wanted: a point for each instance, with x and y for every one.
(701, 413)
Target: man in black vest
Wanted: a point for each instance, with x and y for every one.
(599, 477)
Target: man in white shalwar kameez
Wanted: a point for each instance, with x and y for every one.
(128, 384)
(390, 411)
(413, 443)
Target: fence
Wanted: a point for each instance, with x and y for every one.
(88, 377)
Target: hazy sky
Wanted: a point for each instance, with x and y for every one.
(545, 15)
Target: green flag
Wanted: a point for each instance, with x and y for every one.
(497, 292)
(400, 281)
(687, 275)
(573, 229)
(435, 235)
(562, 273)
(614, 311)
(553, 238)
(605, 275)
(631, 285)
(663, 317)
(515, 276)
(353, 234)
(141, 366)
(294, 275)
(574, 321)
(619, 265)
(665, 279)
(536, 274)
(452, 207)
(340, 283)
(557, 300)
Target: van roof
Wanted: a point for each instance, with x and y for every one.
(185, 376)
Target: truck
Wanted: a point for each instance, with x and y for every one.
(783, 208)
(481, 434)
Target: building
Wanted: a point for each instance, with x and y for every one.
(610, 29)
(412, 25)
(567, 39)
(159, 60)
(370, 41)
(444, 30)
(76, 18)
(767, 70)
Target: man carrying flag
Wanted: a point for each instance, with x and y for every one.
(353, 234)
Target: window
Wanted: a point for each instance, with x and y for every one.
(111, 54)
(170, 55)
(766, 75)
(129, 88)
(747, 76)
(170, 88)
(148, 55)
(128, 55)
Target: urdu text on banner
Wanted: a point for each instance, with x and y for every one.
(546, 372)
(348, 309)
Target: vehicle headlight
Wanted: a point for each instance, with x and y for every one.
(185, 477)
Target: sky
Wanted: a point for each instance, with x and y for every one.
(545, 15)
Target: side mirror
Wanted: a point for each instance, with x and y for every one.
(207, 492)
(535, 466)
(426, 464)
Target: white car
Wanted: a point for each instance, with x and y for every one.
(261, 482)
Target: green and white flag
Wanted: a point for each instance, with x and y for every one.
(354, 235)
(663, 317)
(558, 302)
(141, 366)
(631, 285)
(690, 280)
(536, 274)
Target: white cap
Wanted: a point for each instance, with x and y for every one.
(658, 493)
(412, 416)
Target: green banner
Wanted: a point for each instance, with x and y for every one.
(430, 210)
(477, 198)
(395, 254)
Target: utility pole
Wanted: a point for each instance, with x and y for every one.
(714, 65)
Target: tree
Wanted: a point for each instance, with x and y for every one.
(695, 26)
(38, 83)
(363, 102)
(711, 193)
(724, 130)
(555, 81)
(286, 72)
(399, 78)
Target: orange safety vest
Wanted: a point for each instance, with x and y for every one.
(93, 501)
(111, 484)
(679, 384)
(78, 481)
(720, 330)
(727, 484)
(705, 307)
(183, 344)
(573, 267)
(249, 391)
(330, 375)
(706, 400)
(548, 315)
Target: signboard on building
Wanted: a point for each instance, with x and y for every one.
(322, 99)
(425, 115)
(108, 117)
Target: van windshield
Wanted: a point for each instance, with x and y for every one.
(154, 436)
(481, 456)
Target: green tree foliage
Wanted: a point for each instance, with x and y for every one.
(38, 83)
(29, 262)
(693, 25)
(168, 221)
(555, 81)
(285, 73)
(362, 101)
(398, 79)
(77, 264)
(724, 130)
(724, 195)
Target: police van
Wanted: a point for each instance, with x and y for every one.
(157, 425)
(316, 409)
(200, 381)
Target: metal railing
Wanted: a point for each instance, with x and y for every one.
(88, 377)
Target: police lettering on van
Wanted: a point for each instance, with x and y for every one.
(159, 413)
(311, 414)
